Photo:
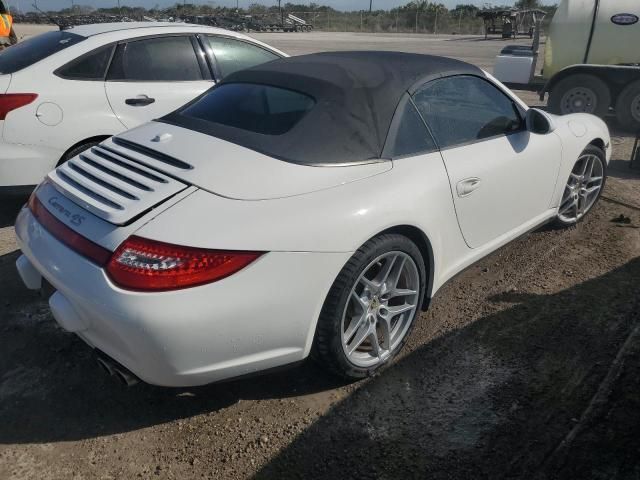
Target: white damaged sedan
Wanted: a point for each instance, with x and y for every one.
(311, 205)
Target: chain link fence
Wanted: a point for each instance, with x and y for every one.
(398, 21)
(392, 22)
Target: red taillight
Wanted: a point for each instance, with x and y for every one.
(64, 234)
(12, 101)
(147, 265)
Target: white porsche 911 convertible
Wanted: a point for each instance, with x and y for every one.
(310, 205)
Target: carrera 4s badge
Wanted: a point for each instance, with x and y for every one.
(75, 218)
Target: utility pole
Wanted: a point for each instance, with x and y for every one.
(370, 6)
(435, 24)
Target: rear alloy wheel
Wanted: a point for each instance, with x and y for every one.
(371, 308)
(628, 107)
(583, 188)
(580, 94)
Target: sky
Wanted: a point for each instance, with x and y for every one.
(25, 5)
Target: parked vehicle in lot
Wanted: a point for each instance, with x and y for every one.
(62, 92)
(591, 64)
(313, 204)
(7, 33)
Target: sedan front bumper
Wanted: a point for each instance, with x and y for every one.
(261, 317)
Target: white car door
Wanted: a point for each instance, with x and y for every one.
(151, 77)
(502, 176)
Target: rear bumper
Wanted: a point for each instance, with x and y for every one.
(259, 318)
(25, 165)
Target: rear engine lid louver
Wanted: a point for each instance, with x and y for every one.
(119, 181)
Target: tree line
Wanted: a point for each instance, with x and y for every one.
(419, 16)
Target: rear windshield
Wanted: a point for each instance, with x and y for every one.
(256, 108)
(34, 49)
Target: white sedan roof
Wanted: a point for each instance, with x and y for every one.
(100, 28)
(110, 32)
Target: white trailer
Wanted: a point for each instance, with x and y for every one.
(591, 63)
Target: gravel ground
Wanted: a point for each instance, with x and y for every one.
(526, 366)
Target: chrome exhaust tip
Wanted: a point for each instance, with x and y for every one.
(105, 365)
(114, 369)
(127, 378)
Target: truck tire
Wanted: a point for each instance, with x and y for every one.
(580, 93)
(628, 107)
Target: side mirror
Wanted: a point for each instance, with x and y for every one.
(539, 122)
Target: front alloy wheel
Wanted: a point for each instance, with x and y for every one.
(371, 307)
(583, 187)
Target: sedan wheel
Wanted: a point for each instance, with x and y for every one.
(583, 187)
(371, 307)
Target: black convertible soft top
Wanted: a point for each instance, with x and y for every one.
(356, 95)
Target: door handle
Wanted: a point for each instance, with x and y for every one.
(140, 101)
(467, 186)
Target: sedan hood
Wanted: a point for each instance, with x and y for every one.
(134, 172)
(236, 172)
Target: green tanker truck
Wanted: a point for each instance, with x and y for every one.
(591, 60)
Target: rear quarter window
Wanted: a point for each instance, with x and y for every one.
(35, 49)
(92, 66)
(409, 135)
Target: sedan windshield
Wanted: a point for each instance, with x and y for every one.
(32, 50)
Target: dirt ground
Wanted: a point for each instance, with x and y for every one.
(526, 366)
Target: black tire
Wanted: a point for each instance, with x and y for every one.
(327, 347)
(77, 150)
(593, 150)
(601, 93)
(628, 107)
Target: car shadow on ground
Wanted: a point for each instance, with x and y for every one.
(495, 399)
(492, 398)
(51, 388)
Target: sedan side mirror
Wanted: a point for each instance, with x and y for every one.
(539, 122)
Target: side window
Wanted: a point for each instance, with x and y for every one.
(466, 109)
(411, 136)
(233, 55)
(92, 66)
(162, 59)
